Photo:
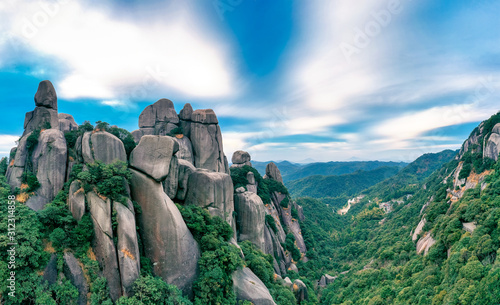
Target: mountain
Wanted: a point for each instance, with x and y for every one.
(293, 171)
(319, 186)
(424, 236)
(153, 216)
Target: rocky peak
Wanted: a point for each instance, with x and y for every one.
(273, 172)
(46, 95)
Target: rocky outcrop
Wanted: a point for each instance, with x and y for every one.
(171, 183)
(250, 221)
(46, 95)
(159, 118)
(168, 243)
(292, 224)
(425, 243)
(103, 245)
(326, 280)
(492, 145)
(272, 172)
(75, 275)
(153, 155)
(50, 153)
(15, 171)
(50, 272)
(185, 170)
(248, 287)
(102, 146)
(206, 138)
(185, 148)
(127, 247)
(185, 119)
(300, 290)
(76, 200)
(67, 122)
(252, 184)
(418, 229)
(45, 110)
(240, 158)
(212, 191)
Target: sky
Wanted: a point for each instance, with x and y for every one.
(289, 80)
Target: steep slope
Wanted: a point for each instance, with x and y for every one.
(439, 244)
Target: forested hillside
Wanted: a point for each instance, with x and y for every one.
(439, 243)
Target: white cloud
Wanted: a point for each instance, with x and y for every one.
(6, 143)
(109, 58)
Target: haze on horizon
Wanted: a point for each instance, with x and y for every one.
(288, 80)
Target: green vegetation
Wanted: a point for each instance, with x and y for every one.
(335, 186)
(108, 180)
(271, 223)
(175, 131)
(219, 259)
(149, 290)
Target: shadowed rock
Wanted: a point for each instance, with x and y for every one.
(185, 169)
(67, 122)
(171, 183)
(168, 243)
(75, 275)
(76, 200)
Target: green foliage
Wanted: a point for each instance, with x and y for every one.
(285, 202)
(3, 166)
(125, 136)
(86, 126)
(291, 247)
(175, 131)
(31, 180)
(101, 126)
(108, 180)
(71, 137)
(271, 223)
(239, 177)
(219, 259)
(100, 292)
(149, 290)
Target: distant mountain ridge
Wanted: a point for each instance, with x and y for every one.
(292, 171)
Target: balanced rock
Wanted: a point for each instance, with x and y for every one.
(162, 111)
(212, 191)
(168, 243)
(46, 96)
(273, 172)
(248, 287)
(206, 138)
(241, 158)
(250, 219)
(153, 155)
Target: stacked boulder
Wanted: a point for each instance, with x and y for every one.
(241, 158)
(167, 241)
(44, 157)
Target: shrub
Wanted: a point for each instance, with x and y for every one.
(271, 223)
(108, 179)
(291, 247)
(149, 290)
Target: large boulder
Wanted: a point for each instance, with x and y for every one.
(38, 118)
(16, 168)
(241, 158)
(49, 165)
(67, 122)
(153, 155)
(46, 96)
(273, 172)
(103, 244)
(185, 119)
(75, 275)
(127, 247)
(162, 111)
(185, 170)
(213, 191)
(168, 243)
(248, 287)
(76, 200)
(137, 134)
(250, 219)
(206, 138)
(107, 148)
(300, 290)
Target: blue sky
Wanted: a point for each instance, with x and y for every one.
(326, 80)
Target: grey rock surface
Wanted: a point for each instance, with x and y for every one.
(46, 95)
(272, 172)
(250, 219)
(76, 200)
(207, 144)
(248, 287)
(161, 111)
(185, 170)
(153, 155)
(37, 118)
(241, 157)
(185, 148)
(168, 243)
(75, 275)
(107, 147)
(66, 122)
(171, 183)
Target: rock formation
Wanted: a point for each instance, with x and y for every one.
(250, 220)
(240, 158)
(492, 146)
(67, 122)
(248, 287)
(272, 172)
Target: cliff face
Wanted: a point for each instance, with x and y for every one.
(176, 159)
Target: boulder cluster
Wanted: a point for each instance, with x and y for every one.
(178, 158)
